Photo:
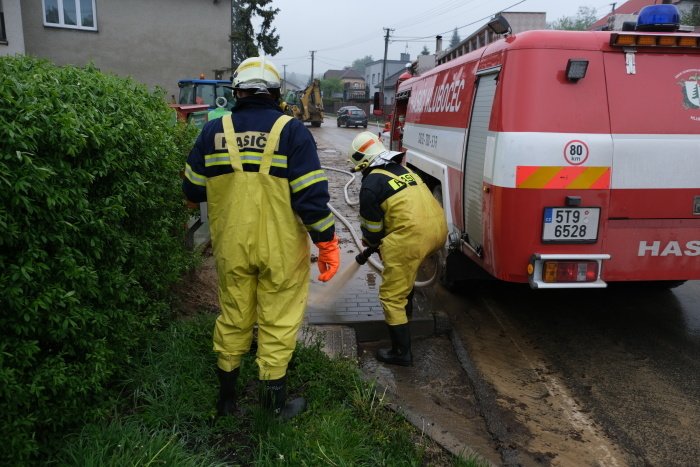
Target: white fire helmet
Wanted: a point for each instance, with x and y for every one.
(367, 150)
(256, 73)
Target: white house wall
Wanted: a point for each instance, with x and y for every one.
(157, 42)
(13, 28)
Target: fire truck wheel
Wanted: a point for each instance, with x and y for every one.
(437, 194)
(446, 282)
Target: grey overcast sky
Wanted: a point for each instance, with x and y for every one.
(342, 31)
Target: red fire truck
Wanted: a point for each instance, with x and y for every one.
(566, 159)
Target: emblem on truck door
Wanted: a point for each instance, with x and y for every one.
(690, 83)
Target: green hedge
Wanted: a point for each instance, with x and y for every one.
(91, 241)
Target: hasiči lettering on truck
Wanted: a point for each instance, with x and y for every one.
(564, 159)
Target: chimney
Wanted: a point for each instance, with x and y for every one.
(438, 44)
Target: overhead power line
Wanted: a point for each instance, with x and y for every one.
(473, 22)
(432, 13)
(437, 9)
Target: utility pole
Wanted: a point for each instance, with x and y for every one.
(613, 8)
(230, 39)
(284, 81)
(381, 82)
(312, 66)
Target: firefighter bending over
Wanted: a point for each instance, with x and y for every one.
(261, 175)
(400, 217)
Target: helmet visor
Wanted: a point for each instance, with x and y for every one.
(357, 157)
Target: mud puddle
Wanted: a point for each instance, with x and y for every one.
(434, 395)
(525, 404)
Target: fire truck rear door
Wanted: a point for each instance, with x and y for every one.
(475, 156)
(653, 231)
(655, 126)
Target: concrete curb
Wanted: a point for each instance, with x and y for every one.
(340, 342)
(488, 406)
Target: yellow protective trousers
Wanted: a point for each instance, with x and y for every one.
(261, 250)
(415, 228)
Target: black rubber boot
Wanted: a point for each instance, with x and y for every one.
(274, 398)
(409, 304)
(226, 404)
(400, 351)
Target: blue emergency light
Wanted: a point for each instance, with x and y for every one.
(659, 18)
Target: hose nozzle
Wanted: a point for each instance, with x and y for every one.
(365, 254)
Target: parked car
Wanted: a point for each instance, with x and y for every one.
(352, 116)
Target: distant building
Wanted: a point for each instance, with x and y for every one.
(157, 42)
(390, 85)
(423, 63)
(519, 22)
(353, 83)
(11, 35)
(373, 75)
(289, 86)
(525, 21)
(629, 11)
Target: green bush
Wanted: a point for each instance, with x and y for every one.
(91, 240)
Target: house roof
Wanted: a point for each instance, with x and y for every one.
(347, 73)
(390, 81)
(631, 7)
(291, 86)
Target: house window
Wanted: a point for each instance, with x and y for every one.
(3, 34)
(74, 14)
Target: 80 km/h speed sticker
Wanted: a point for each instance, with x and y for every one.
(576, 152)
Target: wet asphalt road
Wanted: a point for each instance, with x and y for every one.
(628, 358)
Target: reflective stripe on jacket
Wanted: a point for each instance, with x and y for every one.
(294, 159)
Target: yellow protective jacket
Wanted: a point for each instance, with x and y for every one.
(264, 193)
(399, 214)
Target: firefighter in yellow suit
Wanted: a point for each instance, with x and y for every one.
(260, 173)
(400, 217)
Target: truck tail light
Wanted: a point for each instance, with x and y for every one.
(566, 271)
(570, 271)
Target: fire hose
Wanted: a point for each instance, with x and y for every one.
(366, 254)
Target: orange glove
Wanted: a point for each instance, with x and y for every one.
(328, 259)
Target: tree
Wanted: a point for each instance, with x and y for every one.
(331, 86)
(455, 39)
(691, 17)
(581, 22)
(425, 50)
(245, 42)
(359, 64)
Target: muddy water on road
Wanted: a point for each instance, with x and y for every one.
(505, 409)
(606, 377)
(543, 421)
(616, 369)
(631, 356)
(435, 395)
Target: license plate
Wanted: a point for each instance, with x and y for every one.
(570, 225)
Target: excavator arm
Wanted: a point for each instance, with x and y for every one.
(307, 105)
